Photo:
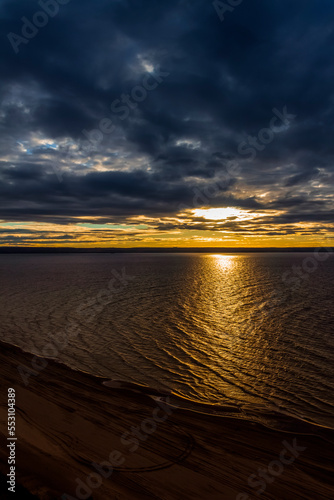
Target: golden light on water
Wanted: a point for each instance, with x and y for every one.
(224, 262)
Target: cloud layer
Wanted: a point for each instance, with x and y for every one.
(119, 119)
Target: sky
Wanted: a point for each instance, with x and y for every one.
(190, 123)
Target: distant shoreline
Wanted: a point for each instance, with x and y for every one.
(25, 250)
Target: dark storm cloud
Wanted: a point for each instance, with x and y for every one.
(97, 194)
(224, 80)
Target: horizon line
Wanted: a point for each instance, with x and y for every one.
(51, 249)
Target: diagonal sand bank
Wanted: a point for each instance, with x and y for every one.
(68, 420)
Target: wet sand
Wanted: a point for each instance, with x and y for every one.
(69, 423)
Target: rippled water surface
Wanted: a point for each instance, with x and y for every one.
(212, 328)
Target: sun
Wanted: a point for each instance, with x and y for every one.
(223, 213)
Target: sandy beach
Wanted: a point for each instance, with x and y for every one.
(78, 438)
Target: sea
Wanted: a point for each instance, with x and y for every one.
(254, 330)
